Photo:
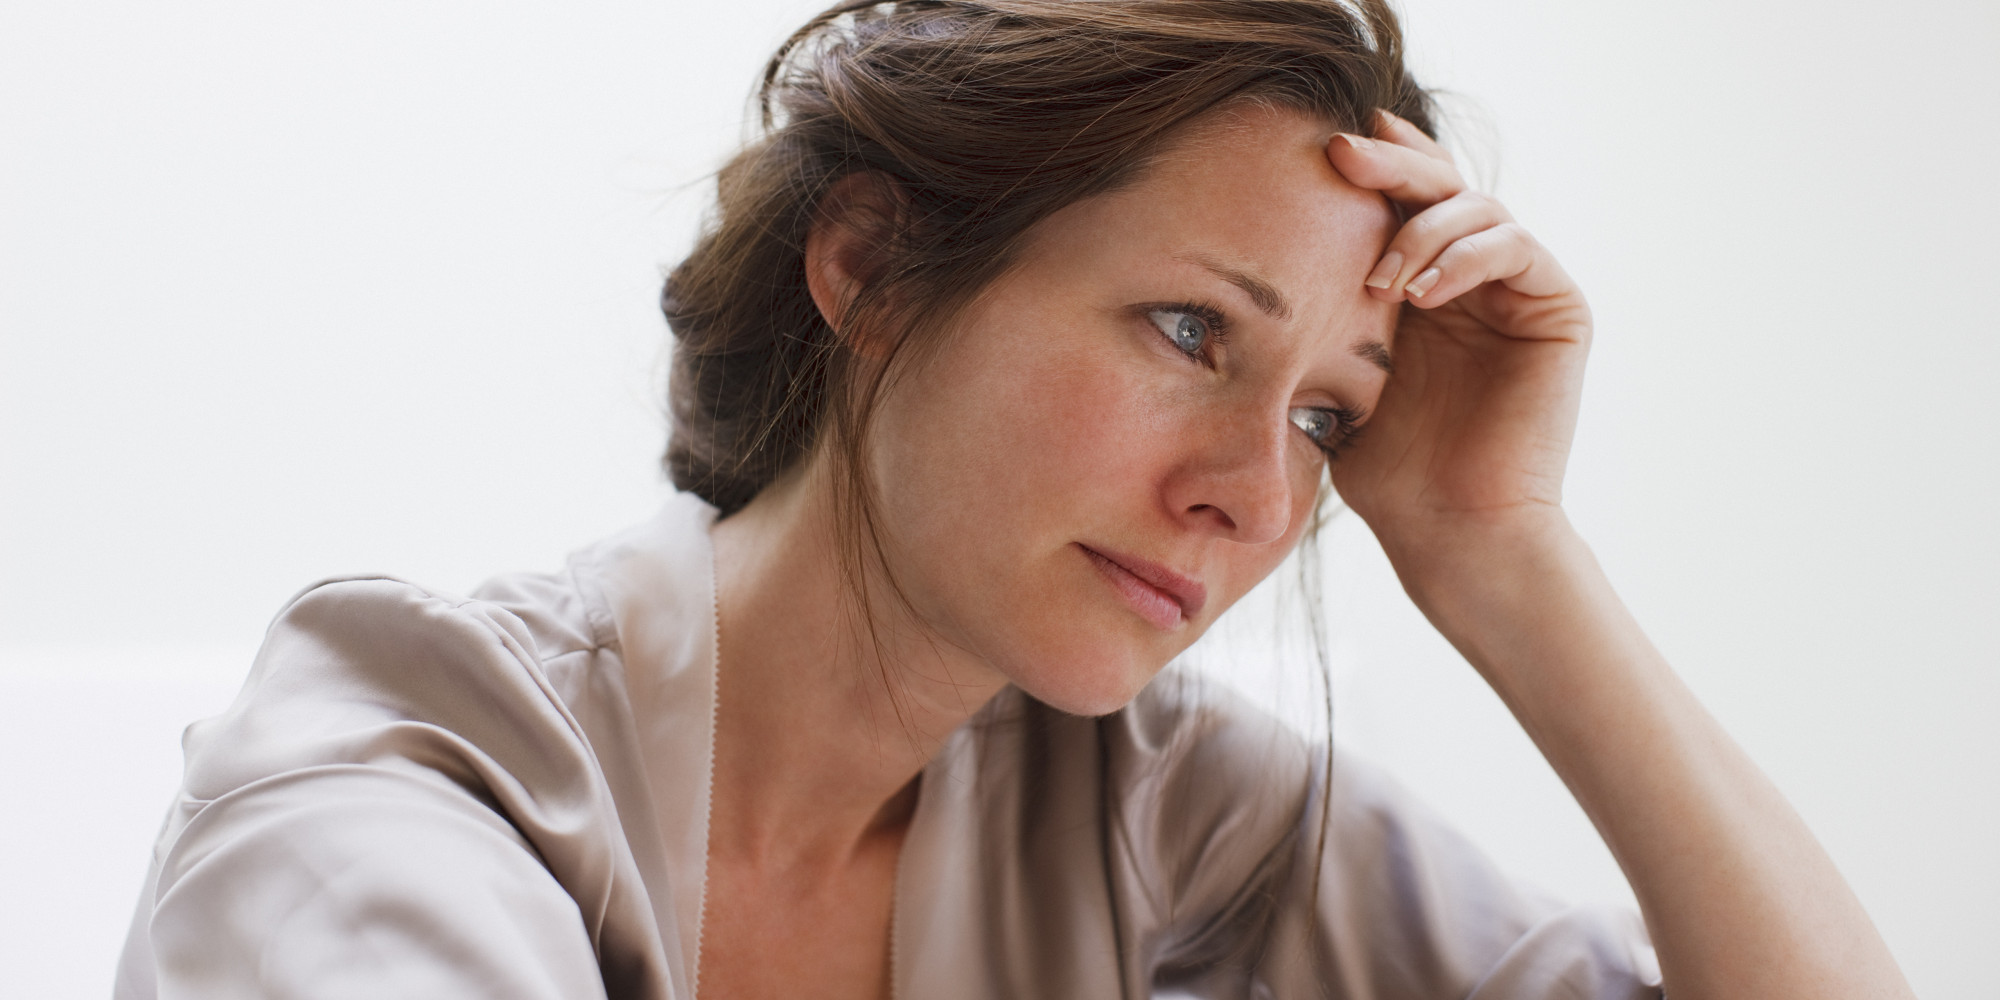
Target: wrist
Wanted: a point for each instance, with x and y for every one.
(1501, 588)
(1446, 561)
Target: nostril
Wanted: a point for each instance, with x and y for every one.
(1221, 516)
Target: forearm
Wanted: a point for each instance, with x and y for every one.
(1739, 896)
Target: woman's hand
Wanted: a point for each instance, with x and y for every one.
(1473, 430)
(1459, 471)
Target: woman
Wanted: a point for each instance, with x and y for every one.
(1015, 355)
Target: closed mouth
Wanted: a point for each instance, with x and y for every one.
(1185, 594)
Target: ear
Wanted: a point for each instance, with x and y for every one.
(847, 245)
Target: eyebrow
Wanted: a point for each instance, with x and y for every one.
(1376, 353)
(1267, 299)
(1260, 291)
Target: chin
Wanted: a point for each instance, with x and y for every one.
(1089, 685)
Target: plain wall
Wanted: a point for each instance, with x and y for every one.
(289, 290)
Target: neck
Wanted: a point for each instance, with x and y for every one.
(827, 711)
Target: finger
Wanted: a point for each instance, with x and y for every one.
(1409, 177)
(1427, 234)
(1397, 129)
(1505, 253)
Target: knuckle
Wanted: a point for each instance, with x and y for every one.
(1461, 253)
(1426, 227)
(1479, 205)
(1449, 178)
(1518, 235)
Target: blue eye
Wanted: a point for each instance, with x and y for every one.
(1330, 429)
(1318, 424)
(1186, 330)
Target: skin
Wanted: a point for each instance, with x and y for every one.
(1058, 418)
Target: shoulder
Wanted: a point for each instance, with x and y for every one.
(398, 759)
(460, 773)
(496, 680)
(359, 669)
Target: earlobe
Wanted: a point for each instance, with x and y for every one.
(847, 248)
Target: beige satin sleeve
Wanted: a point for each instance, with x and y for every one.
(1406, 907)
(396, 805)
(1233, 892)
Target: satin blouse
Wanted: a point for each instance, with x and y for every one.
(422, 795)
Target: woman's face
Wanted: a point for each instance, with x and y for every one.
(1123, 434)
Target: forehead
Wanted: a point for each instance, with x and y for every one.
(1249, 187)
(1261, 167)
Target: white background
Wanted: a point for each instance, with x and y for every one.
(303, 288)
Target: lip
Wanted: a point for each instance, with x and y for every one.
(1161, 596)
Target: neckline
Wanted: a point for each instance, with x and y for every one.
(900, 886)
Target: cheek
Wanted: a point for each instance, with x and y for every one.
(992, 448)
(1025, 426)
(1093, 426)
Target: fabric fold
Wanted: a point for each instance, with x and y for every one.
(420, 795)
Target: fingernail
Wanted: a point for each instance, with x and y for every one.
(1356, 141)
(1385, 272)
(1422, 283)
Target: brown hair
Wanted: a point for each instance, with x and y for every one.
(987, 116)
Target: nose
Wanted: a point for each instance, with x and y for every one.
(1237, 482)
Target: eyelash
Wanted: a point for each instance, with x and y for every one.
(1211, 316)
(1346, 420)
(1346, 427)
